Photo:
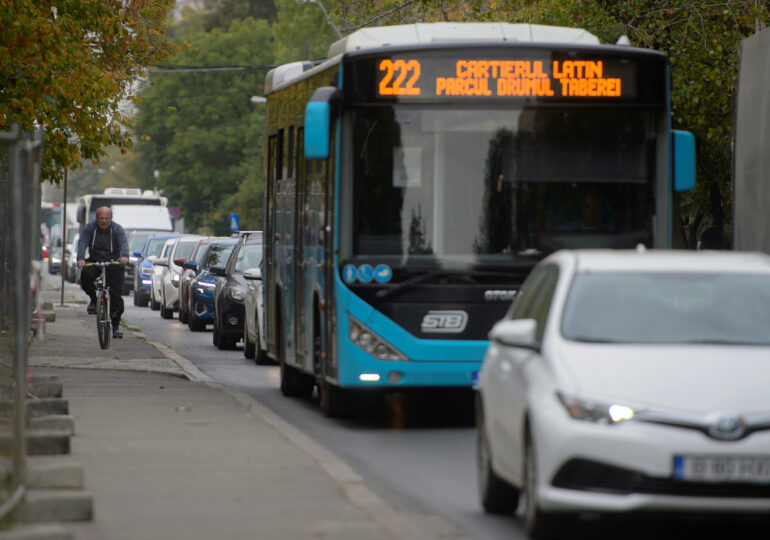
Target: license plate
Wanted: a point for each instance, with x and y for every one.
(474, 379)
(753, 469)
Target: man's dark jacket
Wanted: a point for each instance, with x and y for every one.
(107, 245)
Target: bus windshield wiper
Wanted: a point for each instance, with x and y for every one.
(411, 282)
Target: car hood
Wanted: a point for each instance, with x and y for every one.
(697, 378)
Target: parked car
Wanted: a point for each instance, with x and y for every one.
(137, 239)
(230, 291)
(152, 249)
(203, 283)
(181, 249)
(159, 265)
(189, 269)
(254, 344)
(625, 381)
(71, 260)
(55, 254)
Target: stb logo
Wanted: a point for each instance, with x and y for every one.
(444, 322)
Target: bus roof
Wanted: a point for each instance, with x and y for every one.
(453, 32)
(431, 33)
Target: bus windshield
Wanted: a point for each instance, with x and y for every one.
(453, 187)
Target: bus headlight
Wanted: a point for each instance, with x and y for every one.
(373, 344)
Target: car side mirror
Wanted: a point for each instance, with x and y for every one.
(180, 261)
(519, 333)
(252, 273)
(161, 262)
(190, 265)
(218, 271)
(137, 253)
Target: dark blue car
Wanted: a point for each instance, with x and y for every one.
(143, 267)
(203, 284)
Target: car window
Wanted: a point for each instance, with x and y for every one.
(217, 255)
(249, 256)
(542, 302)
(167, 248)
(522, 306)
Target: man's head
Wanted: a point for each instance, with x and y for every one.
(103, 217)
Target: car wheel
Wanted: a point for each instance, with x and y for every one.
(497, 496)
(165, 312)
(215, 333)
(141, 299)
(154, 304)
(539, 525)
(248, 347)
(183, 317)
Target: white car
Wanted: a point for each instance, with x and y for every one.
(627, 381)
(159, 266)
(168, 293)
(254, 345)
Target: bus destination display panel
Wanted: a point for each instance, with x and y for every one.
(451, 75)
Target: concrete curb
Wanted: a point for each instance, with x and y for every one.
(37, 532)
(394, 523)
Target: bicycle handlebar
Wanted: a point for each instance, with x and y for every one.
(105, 263)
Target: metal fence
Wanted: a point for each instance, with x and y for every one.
(20, 254)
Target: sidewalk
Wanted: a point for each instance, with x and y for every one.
(169, 454)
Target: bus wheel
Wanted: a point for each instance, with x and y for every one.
(332, 399)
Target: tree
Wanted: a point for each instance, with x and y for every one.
(66, 65)
(200, 130)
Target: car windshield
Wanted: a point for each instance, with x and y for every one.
(668, 308)
(185, 249)
(217, 255)
(136, 242)
(156, 246)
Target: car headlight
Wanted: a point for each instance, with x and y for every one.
(236, 294)
(595, 411)
(145, 271)
(373, 344)
(175, 280)
(204, 286)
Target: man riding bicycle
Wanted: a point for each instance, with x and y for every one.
(106, 241)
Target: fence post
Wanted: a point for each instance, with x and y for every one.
(20, 169)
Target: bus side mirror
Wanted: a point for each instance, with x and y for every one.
(81, 214)
(318, 119)
(684, 160)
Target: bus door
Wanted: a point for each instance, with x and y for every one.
(270, 245)
(296, 170)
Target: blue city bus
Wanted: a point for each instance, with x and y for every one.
(416, 175)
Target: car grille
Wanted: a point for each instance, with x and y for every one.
(587, 475)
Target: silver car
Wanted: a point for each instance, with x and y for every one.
(254, 345)
(625, 381)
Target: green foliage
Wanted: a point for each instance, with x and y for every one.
(65, 66)
(301, 32)
(200, 130)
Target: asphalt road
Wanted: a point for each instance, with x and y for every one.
(417, 453)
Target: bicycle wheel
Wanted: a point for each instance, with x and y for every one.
(103, 320)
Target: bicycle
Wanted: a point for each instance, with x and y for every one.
(103, 319)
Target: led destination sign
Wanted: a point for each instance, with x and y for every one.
(604, 79)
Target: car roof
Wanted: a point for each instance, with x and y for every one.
(662, 260)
